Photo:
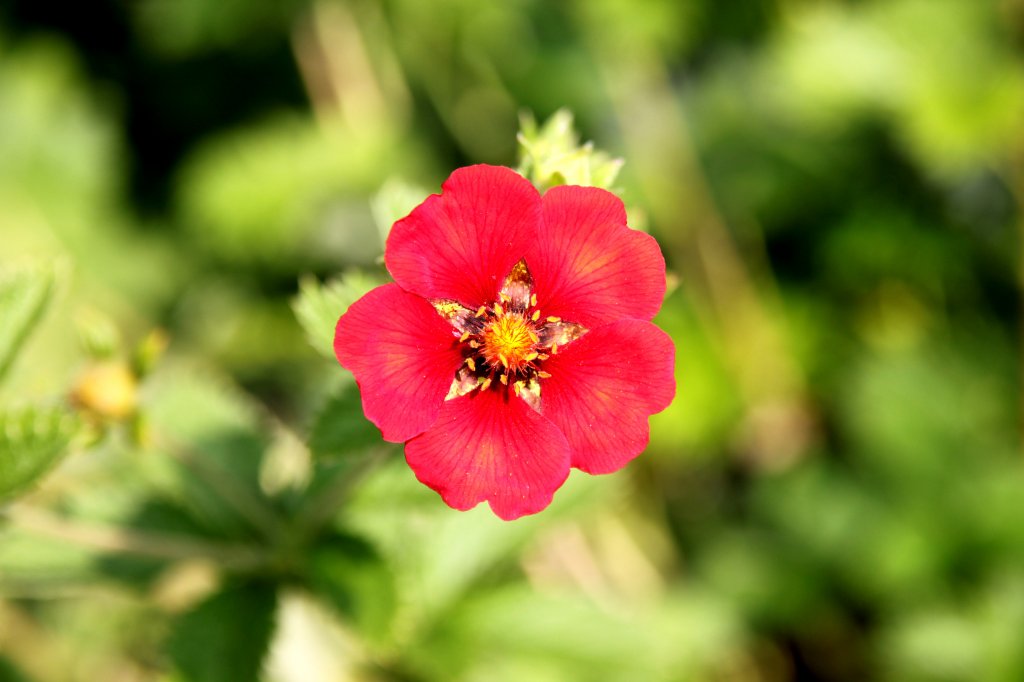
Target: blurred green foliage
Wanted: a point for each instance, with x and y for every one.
(837, 492)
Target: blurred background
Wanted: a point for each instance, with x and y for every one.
(193, 191)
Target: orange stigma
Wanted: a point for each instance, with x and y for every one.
(509, 341)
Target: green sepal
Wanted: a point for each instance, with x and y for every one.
(551, 155)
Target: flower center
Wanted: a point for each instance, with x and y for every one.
(509, 340)
(505, 344)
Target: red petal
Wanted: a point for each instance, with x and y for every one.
(487, 447)
(588, 266)
(604, 386)
(404, 357)
(461, 244)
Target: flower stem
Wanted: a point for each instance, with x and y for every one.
(129, 541)
(255, 510)
(320, 508)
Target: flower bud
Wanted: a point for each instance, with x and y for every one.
(108, 389)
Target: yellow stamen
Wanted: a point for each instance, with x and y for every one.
(498, 310)
(503, 378)
(481, 311)
(471, 364)
(533, 300)
(542, 374)
(465, 335)
(535, 316)
(554, 349)
(552, 318)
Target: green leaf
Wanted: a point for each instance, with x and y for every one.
(25, 292)
(31, 442)
(9, 673)
(218, 437)
(349, 574)
(225, 638)
(279, 192)
(395, 200)
(32, 563)
(443, 556)
(318, 306)
(340, 428)
(514, 631)
(154, 514)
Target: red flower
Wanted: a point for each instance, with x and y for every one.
(516, 341)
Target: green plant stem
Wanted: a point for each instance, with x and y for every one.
(129, 541)
(1014, 178)
(322, 507)
(255, 510)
